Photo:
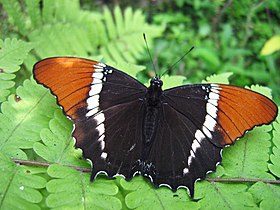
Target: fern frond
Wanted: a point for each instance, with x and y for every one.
(274, 167)
(70, 188)
(124, 33)
(33, 8)
(220, 78)
(23, 118)
(15, 14)
(57, 144)
(141, 194)
(48, 11)
(12, 54)
(266, 195)
(60, 40)
(19, 186)
(213, 195)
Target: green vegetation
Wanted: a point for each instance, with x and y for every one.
(238, 41)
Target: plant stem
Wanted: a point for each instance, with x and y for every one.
(87, 170)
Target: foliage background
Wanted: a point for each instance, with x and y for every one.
(234, 39)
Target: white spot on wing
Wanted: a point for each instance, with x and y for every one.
(185, 171)
(102, 145)
(211, 110)
(93, 102)
(95, 89)
(97, 75)
(132, 147)
(207, 132)
(104, 155)
(199, 135)
(100, 128)
(101, 138)
(213, 95)
(100, 118)
(96, 81)
(190, 157)
(209, 122)
(195, 145)
(212, 101)
(92, 112)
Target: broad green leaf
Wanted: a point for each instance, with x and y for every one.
(23, 117)
(215, 195)
(274, 167)
(142, 195)
(19, 185)
(266, 195)
(272, 45)
(70, 188)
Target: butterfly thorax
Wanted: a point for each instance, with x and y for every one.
(152, 100)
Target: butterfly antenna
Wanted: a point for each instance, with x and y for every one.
(171, 67)
(147, 47)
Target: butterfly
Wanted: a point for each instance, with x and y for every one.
(174, 137)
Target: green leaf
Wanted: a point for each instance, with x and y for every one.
(70, 188)
(61, 39)
(266, 195)
(12, 54)
(215, 195)
(261, 89)
(57, 143)
(208, 55)
(172, 81)
(274, 167)
(33, 7)
(271, 46)
(245, 159)
(22, 118)
(142, 195)
(19, 186)
(130, 69)
(124, 34)
(16, 17)
(222, 78)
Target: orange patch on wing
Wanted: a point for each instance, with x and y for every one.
(68, 78)
(241, 110)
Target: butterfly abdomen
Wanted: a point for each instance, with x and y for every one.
(152, 102)
(150, 124)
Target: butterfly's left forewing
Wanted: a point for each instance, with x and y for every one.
(106, 106)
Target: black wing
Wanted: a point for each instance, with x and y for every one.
(106, 106)
(196, 122)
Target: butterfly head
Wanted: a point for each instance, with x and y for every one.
(156, 83)
(154, 91)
